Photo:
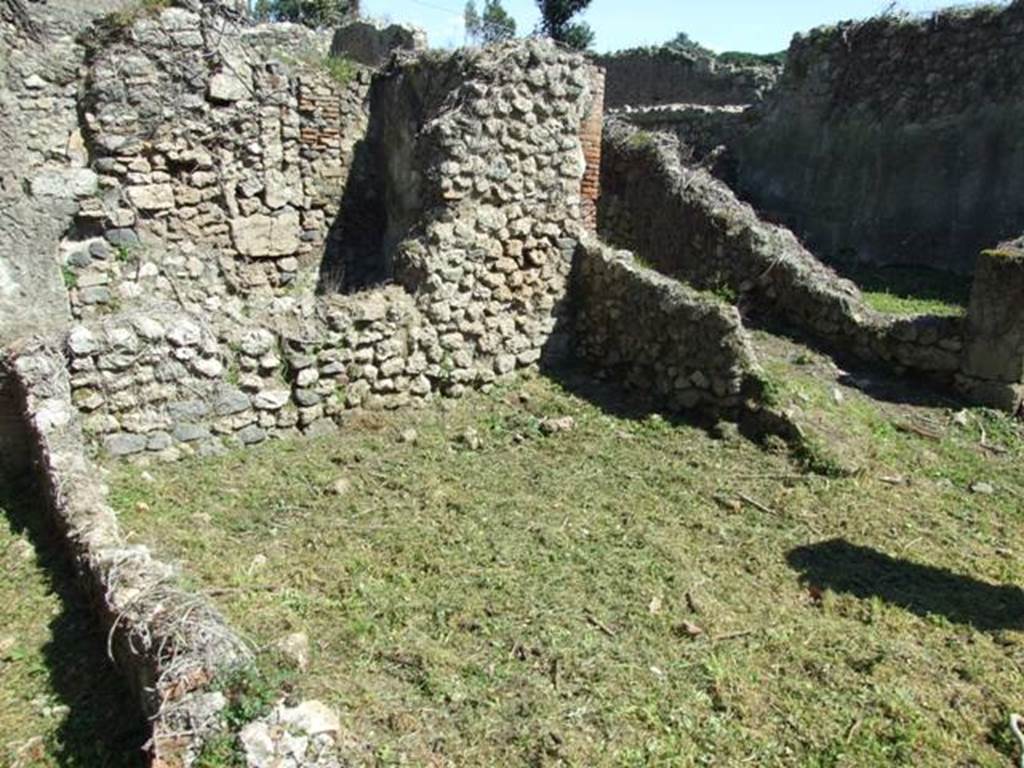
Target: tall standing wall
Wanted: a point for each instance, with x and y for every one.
(897, 141)
(646, 76)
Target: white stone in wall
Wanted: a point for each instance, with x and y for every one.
(151, 197)
(227, 87)
(271, 399)
(65, 183)
(184, 334)
(260, 236)
(81, 341)
(282, 188)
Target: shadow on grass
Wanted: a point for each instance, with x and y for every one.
(616, 400)
(103, 728)
(921, 589)
(874, 378)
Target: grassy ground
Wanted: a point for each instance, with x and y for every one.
(61, 702)
(629, 592)
(912, 290)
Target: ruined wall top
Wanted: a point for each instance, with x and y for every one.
(906, 68)
(646, 76)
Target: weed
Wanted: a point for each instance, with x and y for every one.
(251, 693)
(341, 69)
(126, 254)
(233, 375)
(221, 751)
(70, 277)
(121, 21)
(641, 140)
(724, 292)
(744, 59)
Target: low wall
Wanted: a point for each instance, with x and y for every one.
(169, 643)
(646, 76)
(896, 141)
(688, 224)
(705, 133)
(674, 345)
(993, 368)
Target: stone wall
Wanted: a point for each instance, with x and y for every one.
(897, 141)
(688, 224)
(42, 149)
(993, 369)
(675, 346)
(471, 168)
(170, 644)
(222, 152)
(646, 76)
(705, 133)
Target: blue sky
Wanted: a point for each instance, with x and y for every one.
(759, 26)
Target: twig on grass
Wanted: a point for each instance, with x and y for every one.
(756, 504)
(595, 622)
(914, 429)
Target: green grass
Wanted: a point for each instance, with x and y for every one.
(745, 59)
(628, 593)
(123, 19)
(61, 702)
(912, 290)
(341, 69)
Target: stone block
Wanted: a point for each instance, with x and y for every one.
(372, 43)
(124, 444)
(151, 197)
(227, 87)
(994, 348)
(260, 236)
(65, 183)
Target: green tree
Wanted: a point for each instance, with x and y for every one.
(471, 18)
(492, 26)
(556, 22)
(312, 13)
(683, 42)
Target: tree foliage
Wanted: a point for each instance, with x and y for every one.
(494, 25)
(312, 13)
(557, 22)
(683, 42)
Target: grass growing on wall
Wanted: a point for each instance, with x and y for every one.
(630, 592)
(341, 69)
(120, 21)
